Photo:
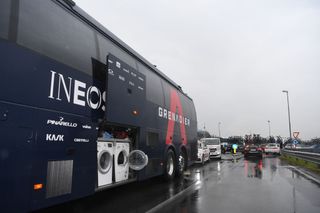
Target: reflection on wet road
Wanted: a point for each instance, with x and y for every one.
(255, 185)
(248, 186)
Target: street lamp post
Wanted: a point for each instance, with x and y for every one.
(269, 129)
(287, 92)
(219, 129)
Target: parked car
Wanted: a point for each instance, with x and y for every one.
(240, 148)
(214, 146)
(263, 146)
(203, 152)
(272, 148)
(252, 150)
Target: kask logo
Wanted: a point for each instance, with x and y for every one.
(53, 137)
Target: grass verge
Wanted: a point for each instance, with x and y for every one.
(293, 160)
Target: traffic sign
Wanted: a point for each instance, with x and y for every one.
(296, 134)
(295, 142)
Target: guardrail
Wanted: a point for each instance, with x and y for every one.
(308, 156)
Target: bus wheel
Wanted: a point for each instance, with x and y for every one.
(170, 168)
(182, 163)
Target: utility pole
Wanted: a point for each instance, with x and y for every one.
(290, 134)
(269, 129)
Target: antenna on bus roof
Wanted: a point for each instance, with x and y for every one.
(70, 3)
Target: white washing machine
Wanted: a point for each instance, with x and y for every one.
(121, 160)
(105, 162)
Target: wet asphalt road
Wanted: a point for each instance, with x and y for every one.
(247, 186)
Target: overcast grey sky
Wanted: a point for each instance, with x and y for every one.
(233, 57)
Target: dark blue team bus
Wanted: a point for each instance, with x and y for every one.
(80, 111)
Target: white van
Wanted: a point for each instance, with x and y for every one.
(214, 146)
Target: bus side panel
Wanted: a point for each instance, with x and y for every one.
(152, 140)
(59, 138)
(71, 158)
(17, 142)
(28, 147)
(184, 132)
(191, 129)
(160, 97)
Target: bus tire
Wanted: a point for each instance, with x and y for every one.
(169, 166)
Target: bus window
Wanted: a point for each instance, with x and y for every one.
(154, 88)
(188, 109)
(4, 18)
(59, 35)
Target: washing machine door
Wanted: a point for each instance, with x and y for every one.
(122, 158)
(104, 162)
(138, 160)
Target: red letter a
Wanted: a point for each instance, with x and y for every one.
(175, 105)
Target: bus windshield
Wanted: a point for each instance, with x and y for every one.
(212, 141)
